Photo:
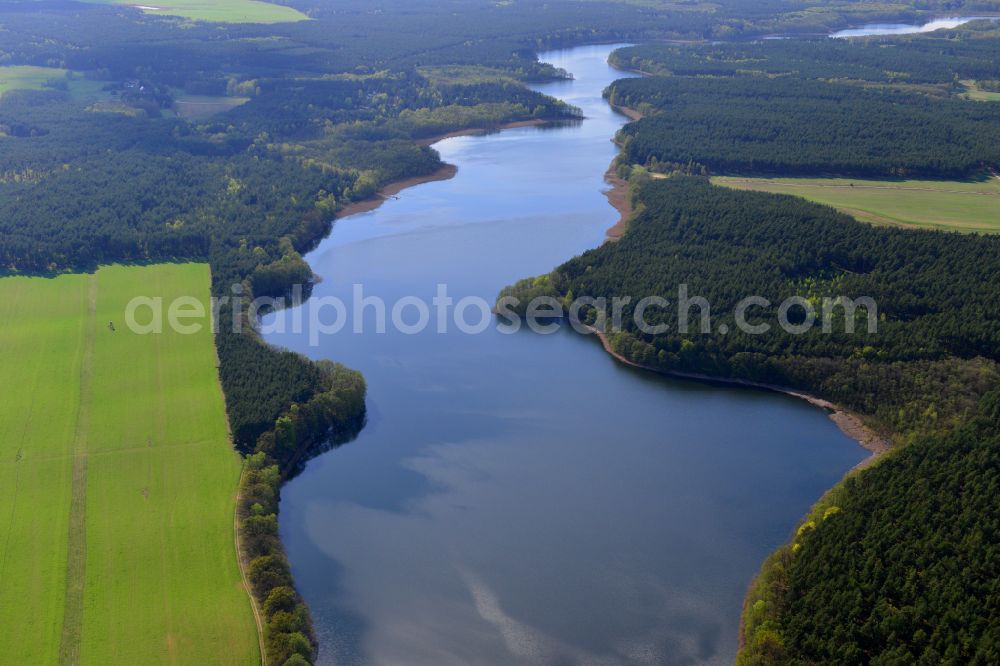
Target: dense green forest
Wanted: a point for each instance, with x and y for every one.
(870, 107)
(898, 565)
(880, 578)
(803, 127)
(971, 52)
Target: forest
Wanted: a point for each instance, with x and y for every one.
(874, 573)
(758, 125)
(895, 565)
(971, 52)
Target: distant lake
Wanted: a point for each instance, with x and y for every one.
(525, 499)
(873, 29)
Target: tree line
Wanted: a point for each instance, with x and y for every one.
(969, 52)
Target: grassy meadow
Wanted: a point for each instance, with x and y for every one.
(974, 92)
(29, 77)
(117, 480)
(219, 11)
(967, 206)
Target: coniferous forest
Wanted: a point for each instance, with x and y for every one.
(788, 126)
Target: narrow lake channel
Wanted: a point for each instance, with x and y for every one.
(525, 499)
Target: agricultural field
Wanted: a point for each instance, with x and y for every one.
(974, 92)
(29, 77)
(117, 479)
(219, 11)
(967, 206)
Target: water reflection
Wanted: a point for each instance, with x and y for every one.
(523, 499)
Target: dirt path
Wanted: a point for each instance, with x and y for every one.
(76, 560)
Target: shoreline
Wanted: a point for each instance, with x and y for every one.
(617, 196)
(628, 110)
(849, 423)
(390, 190)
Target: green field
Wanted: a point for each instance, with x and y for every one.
(220, 11)
(959, 206)
(29, 77)
(117, 480)
(982, 95)
(974, 92)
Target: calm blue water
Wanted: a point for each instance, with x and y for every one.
(524, 499)
(905, 29)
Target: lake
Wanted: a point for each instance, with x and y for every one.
(874, 29)
(523, 498)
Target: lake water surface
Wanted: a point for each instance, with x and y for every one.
(874, 29)
(524, 499)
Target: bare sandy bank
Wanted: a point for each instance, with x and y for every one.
(628, 111)
(618, 197)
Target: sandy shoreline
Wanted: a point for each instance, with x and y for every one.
(848, 422)
(627, 111)
(618, 198)
(618, 194)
